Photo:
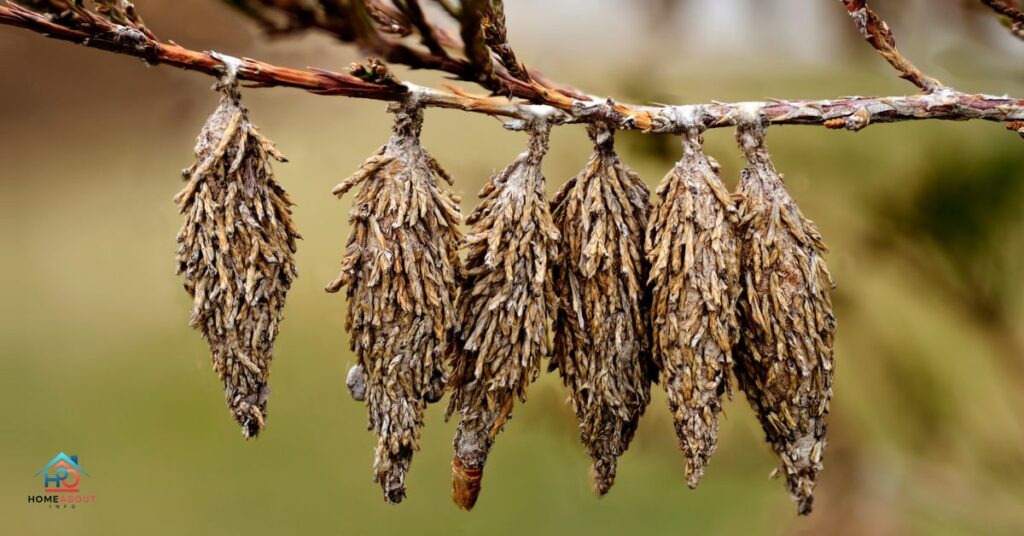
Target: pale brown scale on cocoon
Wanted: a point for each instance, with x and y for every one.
(503, 310)
(784, 360)
(237, 254)
(694, 255)
(401, 268)
(601, 343)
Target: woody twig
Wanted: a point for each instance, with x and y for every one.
(877, 33)
(1010, 10)
(853, 113)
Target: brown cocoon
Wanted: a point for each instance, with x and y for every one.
(693, 251)
(503, 310)
(601, 346)
(236, 254)
(401, 268)
(784, 360)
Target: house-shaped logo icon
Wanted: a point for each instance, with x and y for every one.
(62, 474)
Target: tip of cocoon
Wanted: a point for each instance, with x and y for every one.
(602, 473)
(804, 505)
(394, 490)
(465, 484)
(693, 476)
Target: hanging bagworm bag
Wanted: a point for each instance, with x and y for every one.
(601, 346)
(693, 251)
(784, 359)
(236, 253)
(401, 268)
(503, 310)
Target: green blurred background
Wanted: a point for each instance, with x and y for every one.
(925, 221)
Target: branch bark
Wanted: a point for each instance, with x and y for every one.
(130, 41)
(852, 113)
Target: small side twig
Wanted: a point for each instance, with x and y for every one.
(496, 37)
(428, 33)
(340, 19)
(1011, 11)
(475, 47)
(877, 33)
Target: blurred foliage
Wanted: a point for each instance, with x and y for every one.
(966, 211)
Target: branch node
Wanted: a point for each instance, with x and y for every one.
(373, 71)
(853, 122)
(230, 68)
(601, 134)
(748, 114)
(228, 82)
(751, 129)
(680, 119)
(132, 38)
(532, 117)
(602, 111)
(411, 100)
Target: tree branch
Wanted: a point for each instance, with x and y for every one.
(125, 40)
(877, 33)
(483, 29)
(373, 82)
(1012, 12)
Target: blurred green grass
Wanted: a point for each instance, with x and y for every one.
(96, 358)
